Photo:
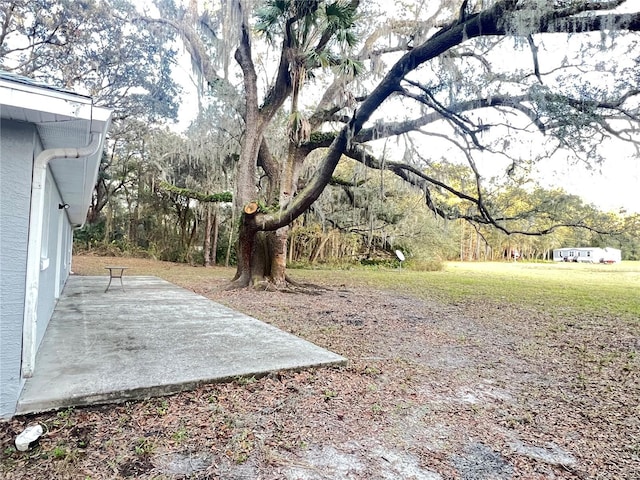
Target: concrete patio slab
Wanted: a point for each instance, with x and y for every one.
(154, 338)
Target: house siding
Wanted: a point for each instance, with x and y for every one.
(35, 234)
(17, 141)
(54, 218)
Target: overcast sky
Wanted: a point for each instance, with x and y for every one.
(616, 186)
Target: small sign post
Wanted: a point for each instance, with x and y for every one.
(400, 256)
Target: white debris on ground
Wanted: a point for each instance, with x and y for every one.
(28, 437)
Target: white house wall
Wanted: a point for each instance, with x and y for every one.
(17, 141)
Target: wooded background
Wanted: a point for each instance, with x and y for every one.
(172, 195)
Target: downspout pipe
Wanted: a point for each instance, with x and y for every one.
(35, 264)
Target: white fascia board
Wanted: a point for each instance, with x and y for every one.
(63, 105)
(40, 99)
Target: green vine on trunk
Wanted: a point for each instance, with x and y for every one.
(338, 182)
(202, 197)
(321, 138)
(264, 208)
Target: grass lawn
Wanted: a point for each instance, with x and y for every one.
(551, 287)
(581, 288)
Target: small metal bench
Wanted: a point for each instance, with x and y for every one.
(115, 272)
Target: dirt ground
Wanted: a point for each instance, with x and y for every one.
(431, 391)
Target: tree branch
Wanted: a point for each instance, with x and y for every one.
(489, 22)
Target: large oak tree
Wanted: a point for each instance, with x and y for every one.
(346, 75)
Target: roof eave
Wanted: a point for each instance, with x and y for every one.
(64, 120)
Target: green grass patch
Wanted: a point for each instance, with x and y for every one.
(550, 287)
(594, 288)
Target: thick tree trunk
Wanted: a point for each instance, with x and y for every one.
(246, 191)
(246, 242)
(278, 253)
(98, 203)
(265, 260)
(278, 239)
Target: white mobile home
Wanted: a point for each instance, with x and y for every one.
(588, 255)
(51, 143)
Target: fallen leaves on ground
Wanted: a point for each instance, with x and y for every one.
(473, 390)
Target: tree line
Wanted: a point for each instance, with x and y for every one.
(174, 212)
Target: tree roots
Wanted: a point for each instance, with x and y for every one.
(269, 285)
